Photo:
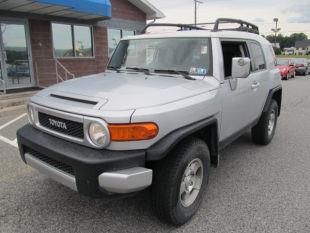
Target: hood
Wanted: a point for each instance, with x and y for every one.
(127, 91)
(282, 67)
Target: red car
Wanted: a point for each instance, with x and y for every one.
(287, 68)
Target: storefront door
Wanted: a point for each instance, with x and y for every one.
(16, 65)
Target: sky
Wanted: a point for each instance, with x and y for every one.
(294, 16)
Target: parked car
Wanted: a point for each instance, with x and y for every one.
(287, 68)
(19, 69)
(158, 117)
(289, 51)
(302, 66)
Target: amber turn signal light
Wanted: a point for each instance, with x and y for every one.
(133, 132)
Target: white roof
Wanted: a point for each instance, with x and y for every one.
(151, 11)
(203, 33)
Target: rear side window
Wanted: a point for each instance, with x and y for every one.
(258, 58)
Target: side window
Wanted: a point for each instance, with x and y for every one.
(274, 58)
(230, 50)
(114, 37)
(258, 58)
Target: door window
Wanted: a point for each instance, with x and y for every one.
(230, 50)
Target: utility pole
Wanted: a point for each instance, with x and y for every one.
(196, 6)
(276, 30)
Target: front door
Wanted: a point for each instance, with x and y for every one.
(237, 101)
(14, 56)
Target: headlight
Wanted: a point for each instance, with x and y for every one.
(98, 134)
(30, 111)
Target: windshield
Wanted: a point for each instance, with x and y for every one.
(284, 62)
(188, 55)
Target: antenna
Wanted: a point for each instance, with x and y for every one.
(197, 2)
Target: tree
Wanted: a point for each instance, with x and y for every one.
(287, 41)
(298, 37)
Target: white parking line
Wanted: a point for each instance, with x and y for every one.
(6, 140)
(12, 121)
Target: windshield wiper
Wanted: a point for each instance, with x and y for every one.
(183, 73)
(145, 71)
(115, 68)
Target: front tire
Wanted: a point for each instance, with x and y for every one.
(264, 131)
(180, 182)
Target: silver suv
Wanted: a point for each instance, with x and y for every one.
(158, 117)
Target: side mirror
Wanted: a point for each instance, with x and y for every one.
(241, 67)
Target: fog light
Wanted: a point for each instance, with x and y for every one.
(98, 134)
(30, 111)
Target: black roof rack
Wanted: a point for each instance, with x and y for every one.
(182, 27)
(244, 26)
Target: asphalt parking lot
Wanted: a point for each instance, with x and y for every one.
(255, 189)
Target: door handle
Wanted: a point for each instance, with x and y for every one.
(255, 85)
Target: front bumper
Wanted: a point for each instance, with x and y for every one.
(89, 171)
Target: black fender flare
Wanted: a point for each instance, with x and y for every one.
(161, 149)
(270, 97)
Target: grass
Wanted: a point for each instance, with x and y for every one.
(295, 56)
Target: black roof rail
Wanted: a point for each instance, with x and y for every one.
(182, 27)
(244, 25)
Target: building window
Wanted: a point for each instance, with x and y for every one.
(114, 36)
(83, 42)
(72, 40)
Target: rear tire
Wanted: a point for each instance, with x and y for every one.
(264, 131)
(175, 181)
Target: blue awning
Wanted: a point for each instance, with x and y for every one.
(95, 7)
(77, 9)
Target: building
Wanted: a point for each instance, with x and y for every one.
(43, 42)
(302, 47)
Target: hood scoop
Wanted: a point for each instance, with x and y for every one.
(74, 99)
(78, 100)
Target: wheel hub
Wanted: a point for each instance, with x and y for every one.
(271, 123)
(191, 182)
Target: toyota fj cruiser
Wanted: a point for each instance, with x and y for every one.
(158, 117)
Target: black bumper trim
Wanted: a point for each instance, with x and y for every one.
(88, 163)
